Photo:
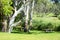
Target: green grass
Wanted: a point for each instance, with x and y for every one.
(34, 35)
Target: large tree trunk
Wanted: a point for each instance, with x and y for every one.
(4, 25)
(26, 29)
(3, 20)
(31, 14)
(12, 19)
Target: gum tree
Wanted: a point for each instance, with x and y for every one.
(27, 7)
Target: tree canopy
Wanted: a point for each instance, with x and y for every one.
(6, 7)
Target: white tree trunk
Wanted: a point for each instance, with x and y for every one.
(27, 17)
(13, 17)
(24, 7)
(31, 14)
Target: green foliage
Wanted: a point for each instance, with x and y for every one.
(43, 6)
(42, 23)
(50, 15)
(58, 16)
(46, 6)
(47, 15)
(7, 8)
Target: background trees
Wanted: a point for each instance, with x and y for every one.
(46, 15)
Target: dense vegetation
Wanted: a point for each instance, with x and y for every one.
(37, 15)
(30, 19)
(41, 23)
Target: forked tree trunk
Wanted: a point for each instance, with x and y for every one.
(12, 19)
(27, 7)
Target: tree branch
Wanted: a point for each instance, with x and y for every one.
(15, 14)
(15, 24)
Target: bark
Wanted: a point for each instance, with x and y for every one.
(12, 19)
(24, 7)
(27, 18)
(15, 24)
(4, 26)
(31, 14)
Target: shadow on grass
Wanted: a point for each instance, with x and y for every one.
(31, 32)
(21, 33)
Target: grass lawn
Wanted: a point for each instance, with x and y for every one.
(35, 35)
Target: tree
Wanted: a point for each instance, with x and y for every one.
(31, 13)
(25, 4)
(5, 12)
(11, 8)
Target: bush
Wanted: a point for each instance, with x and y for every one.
(50, 15)
(58, 17)
(58, 28)
(42, 23)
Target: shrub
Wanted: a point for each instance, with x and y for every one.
(58, 16)
(58, 28)
(50, 15)
(42, 23)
